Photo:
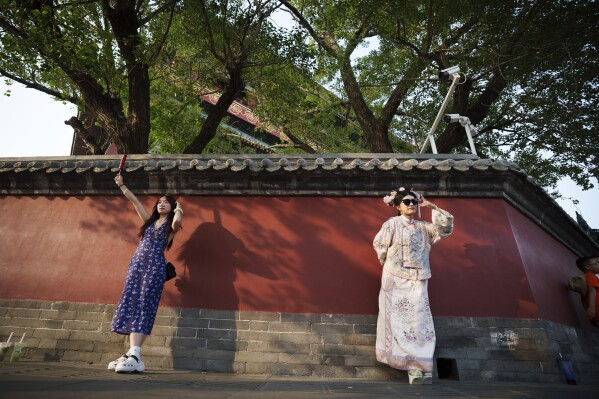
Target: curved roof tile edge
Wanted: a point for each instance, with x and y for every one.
(238, 163)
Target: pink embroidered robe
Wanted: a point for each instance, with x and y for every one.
(405, 332)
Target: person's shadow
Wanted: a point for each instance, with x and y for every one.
(211, 258)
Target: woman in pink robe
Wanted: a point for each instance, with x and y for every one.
(405, 336)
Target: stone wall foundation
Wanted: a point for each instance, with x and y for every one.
(314, 345)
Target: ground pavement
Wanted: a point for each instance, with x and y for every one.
(47, 380)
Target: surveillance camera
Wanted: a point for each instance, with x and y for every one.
(448, 118)
(445, 74)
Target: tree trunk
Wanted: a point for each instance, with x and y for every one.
(210, 125)
(376, 135)
(138, 119)
(133, 136)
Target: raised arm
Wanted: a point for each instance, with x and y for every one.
(143, 214)
(176, 226)
(442, 225)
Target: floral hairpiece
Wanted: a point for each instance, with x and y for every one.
(390, 199)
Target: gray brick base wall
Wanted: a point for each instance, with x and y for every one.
(316, 345)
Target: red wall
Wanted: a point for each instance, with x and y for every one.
(289, 254)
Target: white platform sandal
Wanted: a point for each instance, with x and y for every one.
(112, 365)
(131, 365)
(415, 377)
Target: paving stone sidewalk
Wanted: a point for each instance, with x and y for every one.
(69, 380)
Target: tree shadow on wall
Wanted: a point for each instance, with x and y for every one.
(484, 277)
(319, 249)
(213, 257)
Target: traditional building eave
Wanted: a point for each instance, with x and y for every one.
(305, 174)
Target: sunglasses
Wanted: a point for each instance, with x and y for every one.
(407, 202)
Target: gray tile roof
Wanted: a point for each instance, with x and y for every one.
(238, 162)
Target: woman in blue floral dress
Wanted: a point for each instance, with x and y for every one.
(136, 310)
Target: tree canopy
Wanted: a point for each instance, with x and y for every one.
(95, 54)
(528, 84)
(341, 76)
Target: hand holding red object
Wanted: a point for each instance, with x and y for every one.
(122, 164)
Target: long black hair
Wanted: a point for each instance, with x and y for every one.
(155, 216)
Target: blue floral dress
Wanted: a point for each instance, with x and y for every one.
(139, 301)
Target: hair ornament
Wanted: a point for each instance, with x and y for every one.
(415, 194)
(419, 198)
(390, 199)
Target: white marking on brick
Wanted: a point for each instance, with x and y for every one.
(505, 339)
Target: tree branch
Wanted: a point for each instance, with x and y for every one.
(453, 136)
(211, 40)
(159, 48)
(39, 87)
(299, 143)
(159, 10)
(325, 41)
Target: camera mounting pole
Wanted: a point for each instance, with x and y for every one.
(465, 121)
(455, 79)
(471, 131)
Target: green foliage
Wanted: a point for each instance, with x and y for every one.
(530, 84)
(93, 54)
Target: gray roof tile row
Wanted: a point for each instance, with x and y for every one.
(270, 164)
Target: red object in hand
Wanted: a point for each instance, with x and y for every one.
(122, 164)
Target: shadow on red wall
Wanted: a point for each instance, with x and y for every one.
(284, 254)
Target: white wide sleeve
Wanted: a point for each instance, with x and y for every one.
(442, 225)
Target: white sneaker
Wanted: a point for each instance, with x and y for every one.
(112, 365)
(415, 377)
(131, 365)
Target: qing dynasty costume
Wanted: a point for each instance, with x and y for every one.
(405, 337)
